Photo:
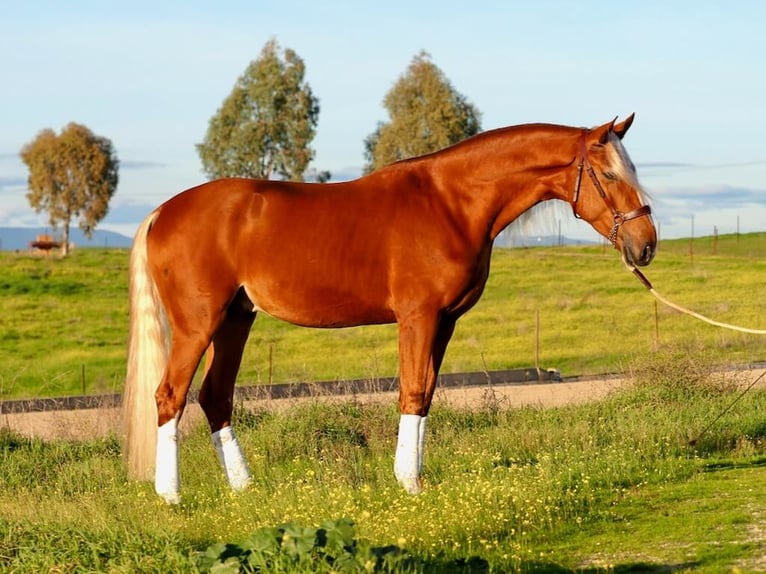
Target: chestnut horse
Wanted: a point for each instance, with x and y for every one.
(409, 243)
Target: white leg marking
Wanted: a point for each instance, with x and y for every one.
(421, 444)
(166, 482)
(231, 457)
(409, 453)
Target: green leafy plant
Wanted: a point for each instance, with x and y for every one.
(332, 547)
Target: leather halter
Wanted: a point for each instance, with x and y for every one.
(619, 217)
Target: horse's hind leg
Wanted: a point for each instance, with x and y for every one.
(185, 354)
(192, 329)
(216, 396)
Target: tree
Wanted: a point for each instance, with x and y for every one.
(71, 175)
(426, 114)
(264, 127)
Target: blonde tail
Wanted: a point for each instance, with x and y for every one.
(147, 358)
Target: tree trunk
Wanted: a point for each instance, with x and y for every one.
(65, 242)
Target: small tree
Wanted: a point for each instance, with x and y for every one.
(71, 175)
(426, 114)
(264, 127)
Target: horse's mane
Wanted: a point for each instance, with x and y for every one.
(543, 218)
(622, 166)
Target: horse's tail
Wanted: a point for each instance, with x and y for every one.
(147, 358)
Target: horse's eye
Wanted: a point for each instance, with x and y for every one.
(610, 175)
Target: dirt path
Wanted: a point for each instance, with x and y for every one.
(91, 423)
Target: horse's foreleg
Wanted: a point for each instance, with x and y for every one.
(217, 393)
(422, 345)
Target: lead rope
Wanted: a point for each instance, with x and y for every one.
(648, 285)
(653, 291)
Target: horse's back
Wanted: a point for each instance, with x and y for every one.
(308, 257)
(323, 255)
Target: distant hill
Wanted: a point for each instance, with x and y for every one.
(507, 240)
(18, 238)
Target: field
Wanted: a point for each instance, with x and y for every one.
(64, 324)
(609, 486)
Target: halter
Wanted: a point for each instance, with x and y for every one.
(619, 217)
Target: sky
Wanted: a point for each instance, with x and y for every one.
(149, 75)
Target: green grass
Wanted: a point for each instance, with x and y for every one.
(609, 486)
(64, 322)
(711, 522)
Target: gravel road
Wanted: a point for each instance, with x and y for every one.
(97, 422)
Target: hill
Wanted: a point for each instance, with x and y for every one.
(18, 238)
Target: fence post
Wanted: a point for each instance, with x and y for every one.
(537, 343)
(271, 363)
(715, 240)
(691, 244)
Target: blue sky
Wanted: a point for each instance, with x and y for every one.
(149, 75)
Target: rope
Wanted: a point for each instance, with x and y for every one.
(648, 285)
(693, 442)
(672, 305)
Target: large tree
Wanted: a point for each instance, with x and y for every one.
(71, 175)
(426, 114)
(264, 127)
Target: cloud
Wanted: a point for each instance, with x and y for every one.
(657, 168)
(346, 173)
(12, 182)
(128, 213)
(14, 216)
(725, 196)
(661, 165)
(141, 164)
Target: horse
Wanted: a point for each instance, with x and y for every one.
(409, 244)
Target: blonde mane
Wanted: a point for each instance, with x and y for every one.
(544, 218)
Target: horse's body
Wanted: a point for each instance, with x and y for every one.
(409, 244)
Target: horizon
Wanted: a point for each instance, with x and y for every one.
(504, 241)
(149, 77)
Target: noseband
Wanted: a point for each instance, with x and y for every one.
(619, 217)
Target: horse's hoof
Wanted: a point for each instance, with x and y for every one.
(170, 497)
(412, 484)
(241, 483)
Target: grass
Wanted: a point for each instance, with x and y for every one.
(609, 486)
(64, 324)
(712, 522)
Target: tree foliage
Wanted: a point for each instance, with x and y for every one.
(71, 175)
(426, 114)
(264, 127)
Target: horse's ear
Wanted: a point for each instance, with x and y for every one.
(601, 133)
(621, 128)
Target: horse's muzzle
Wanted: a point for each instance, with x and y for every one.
(640, 256)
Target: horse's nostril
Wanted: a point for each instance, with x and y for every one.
(648, 253)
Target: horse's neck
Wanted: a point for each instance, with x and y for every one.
(508, 174)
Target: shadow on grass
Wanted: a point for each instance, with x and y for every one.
(755, 462)
(472, 565)
(638, 567)
(477, 565)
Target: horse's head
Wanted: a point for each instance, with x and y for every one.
(608, 196)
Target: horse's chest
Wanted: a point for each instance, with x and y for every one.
(470, 291)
